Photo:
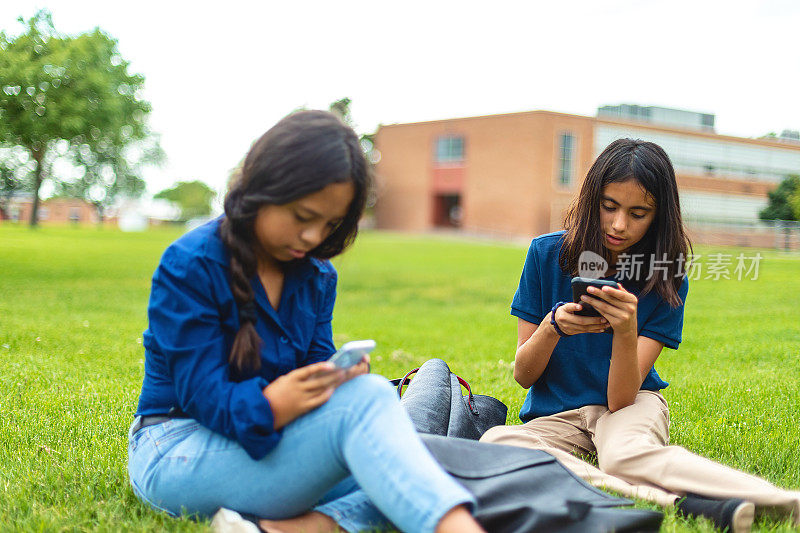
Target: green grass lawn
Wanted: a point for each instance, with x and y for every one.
(73, 308)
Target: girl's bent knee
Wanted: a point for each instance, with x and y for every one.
(622, 462)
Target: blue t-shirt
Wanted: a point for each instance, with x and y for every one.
(577, 373)
(193, 319)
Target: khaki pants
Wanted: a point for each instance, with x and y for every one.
(634, 456)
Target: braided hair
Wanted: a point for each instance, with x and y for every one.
(303, 153)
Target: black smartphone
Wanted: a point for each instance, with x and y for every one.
(579, 286)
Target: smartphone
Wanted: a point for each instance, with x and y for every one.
(351, 353)
(579, 286)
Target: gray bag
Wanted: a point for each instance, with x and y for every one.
(517, 490)
(520, 490)
(439, 408)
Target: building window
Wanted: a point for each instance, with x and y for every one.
(44, 213)
(566, 157)
(449, 149)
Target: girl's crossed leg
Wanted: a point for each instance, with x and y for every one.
(362, 430)
(635, 458)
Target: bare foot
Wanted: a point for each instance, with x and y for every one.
(458, 520)
(312, 522)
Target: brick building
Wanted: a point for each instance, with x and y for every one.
(52, 211)
(515, 174)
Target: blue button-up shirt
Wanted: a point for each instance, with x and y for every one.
(193, 319)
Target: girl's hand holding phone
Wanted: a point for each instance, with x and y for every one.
(303, 389)
(358, 369)
(617, 306)
(573, 324)
(353, 357)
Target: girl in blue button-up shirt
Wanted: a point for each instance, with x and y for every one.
(239, 408)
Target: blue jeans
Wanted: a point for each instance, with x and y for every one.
(356, 459)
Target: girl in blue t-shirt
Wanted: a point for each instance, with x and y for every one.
(591, 383)
(241, 416)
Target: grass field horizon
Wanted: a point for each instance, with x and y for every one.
(73, 308)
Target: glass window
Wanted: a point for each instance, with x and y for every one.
(449, 149)
(566, 157)
(695, 155)
(44, 213)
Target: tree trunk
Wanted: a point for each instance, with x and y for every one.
(38, 156)
(101, 212)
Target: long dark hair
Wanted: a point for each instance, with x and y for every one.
(665, 240)
(301, 154)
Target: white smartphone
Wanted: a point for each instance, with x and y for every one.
(351, 353)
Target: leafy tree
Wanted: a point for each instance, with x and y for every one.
(15, 166)
(341, 108)
(780, 206)
(103, 176)
(794, 201)
(8, 185)
(77, 90)
(192, 197)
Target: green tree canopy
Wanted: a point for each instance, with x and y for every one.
(15, 168)
(100, 177)
(794, 202)
(192, 197)
(341, 108)
(780, 201)
(71, 100)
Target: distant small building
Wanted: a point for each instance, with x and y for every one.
(51, 211)
(128, 214)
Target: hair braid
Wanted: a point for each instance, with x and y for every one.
(244, 356)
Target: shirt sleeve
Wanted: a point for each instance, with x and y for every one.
(527, 302)
(665, 324)
(322, 347)
(186, 328)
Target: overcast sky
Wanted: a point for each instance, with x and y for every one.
(219, 76)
